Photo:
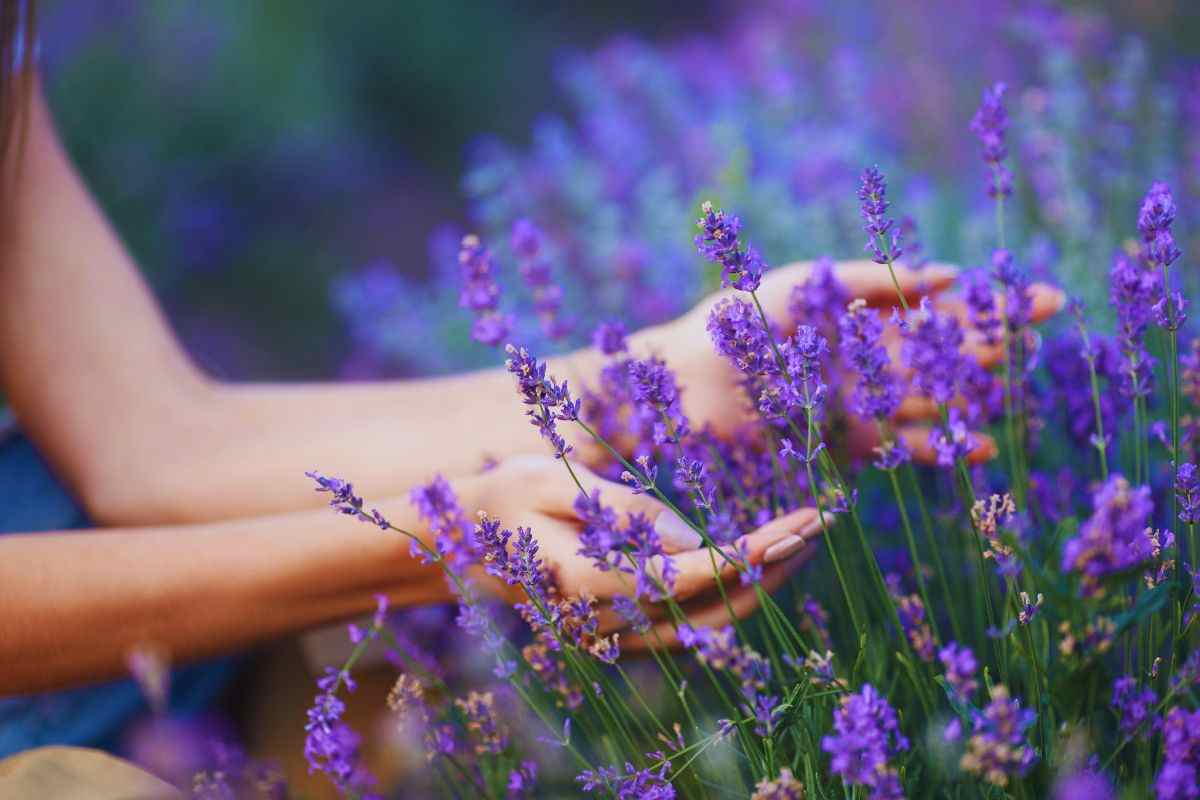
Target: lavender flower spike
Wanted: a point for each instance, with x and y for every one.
(719, 243)
(989, 124)
(866, 737)
(526, 243)
(480, 293)
(872, 193)
(876, 394)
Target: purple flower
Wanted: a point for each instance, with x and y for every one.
(1179, 778)
(631, 783)
(931, 350)
(804, 356)
(438, 506)
(1154, 224)
(1134, 707)
(1133, 291)
(738, 335)
(876, 394)
(1018, 304)
(960, 665)
(981, 306)
(480, 711)
(1170, 312)
(872, 194)
(866, 738)
(549, 402)
(526, 243)
(997, 750)
(1084, 784)
(989, 124)
(952, 441)
(600, 539)
(718, 242)
(1113, 539)
(522, 781)
(345, 501)
(480, 293)
(1187, 492)
(658, 397)
(521, 567)
(817, 301)
(911, 610)
(610, 338)
(330, 746)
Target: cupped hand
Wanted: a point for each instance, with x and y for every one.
(538, 493)
(711, 384)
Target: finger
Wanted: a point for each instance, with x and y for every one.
(1045, 301)
(556, 494)
(862, 278)
(774, 576)
(695, 567)
(983, 446)
(714, 611)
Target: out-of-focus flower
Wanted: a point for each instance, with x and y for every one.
(990, 124)
(785, 787)
(997, 751)
(1113, 539)
(866, 738)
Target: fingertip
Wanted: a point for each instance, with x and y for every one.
(985, 449)
(1047, 301)
(938, 273)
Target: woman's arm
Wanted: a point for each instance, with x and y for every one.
(101, 385)
(73, 604)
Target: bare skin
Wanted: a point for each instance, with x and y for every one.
(198, 484)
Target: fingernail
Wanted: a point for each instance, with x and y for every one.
(675, 532)
(785, 547)
(815, 527)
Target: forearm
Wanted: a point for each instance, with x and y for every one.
(387, 435)
(75, 603)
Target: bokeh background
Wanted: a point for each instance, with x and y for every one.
(258, 158)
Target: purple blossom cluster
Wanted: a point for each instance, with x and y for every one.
(548, 401)
(865, 743)
(883, 237)
(741, 267)
(480, 293)
(960, 666)
(990, 124)
(528, 246)
(1134, 706)
(931, 350)
(1179, 778)
(718, 648)
(876, 392)
(630, 783)
(1112, 540)
(997, 751)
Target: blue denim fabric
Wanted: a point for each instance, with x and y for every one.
(33, 500)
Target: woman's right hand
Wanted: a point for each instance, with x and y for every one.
(537, 492)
